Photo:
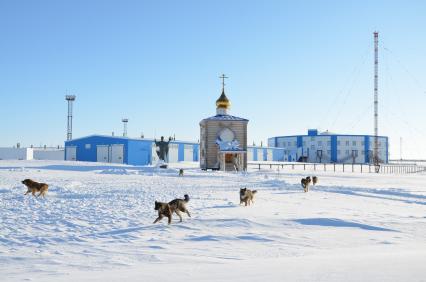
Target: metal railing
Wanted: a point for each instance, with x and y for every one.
(339, 167)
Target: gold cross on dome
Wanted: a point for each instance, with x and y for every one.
(223, 80)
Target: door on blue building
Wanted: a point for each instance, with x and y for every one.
(71, 153)
(117, 153)
(102, 153)
(188, 154)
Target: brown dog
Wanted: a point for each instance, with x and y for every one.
(179, 205)
(163, 210)
(314, 180)
(175, 206)
(34, 187)
(246, 196)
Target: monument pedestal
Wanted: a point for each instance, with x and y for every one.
(161, 164)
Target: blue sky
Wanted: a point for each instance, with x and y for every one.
(292, 65)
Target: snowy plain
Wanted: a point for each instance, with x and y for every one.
(96, 225)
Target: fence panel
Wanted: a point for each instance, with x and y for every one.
(347, 168)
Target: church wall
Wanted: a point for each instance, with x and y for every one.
(212, 129)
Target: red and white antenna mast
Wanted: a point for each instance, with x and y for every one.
(376, 102)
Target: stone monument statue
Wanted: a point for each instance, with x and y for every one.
(163, 149)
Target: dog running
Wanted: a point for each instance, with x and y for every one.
(163, 211)
(181, 172)
(246, 196)
(34, 187)
(167, 209)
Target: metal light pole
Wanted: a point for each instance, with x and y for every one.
(125, 121)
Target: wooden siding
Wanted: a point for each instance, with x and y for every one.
(208, 139)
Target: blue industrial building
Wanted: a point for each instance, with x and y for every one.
(133, 151)
(327, 147)
(137, 151)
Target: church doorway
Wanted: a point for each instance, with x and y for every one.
(229, 158)
(232, 161)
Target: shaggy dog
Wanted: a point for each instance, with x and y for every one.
(246, 196)
(175, 206)
(305, 183)
(179, 205)
(163, 210)
(34, 187)
(181, 172)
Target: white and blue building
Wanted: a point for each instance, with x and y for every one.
(133, 151)
(327, 147)
(265, 154)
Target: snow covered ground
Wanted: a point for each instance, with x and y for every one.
(96, 225)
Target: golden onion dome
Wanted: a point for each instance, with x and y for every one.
(223, 101)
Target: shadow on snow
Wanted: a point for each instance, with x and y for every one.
(334, 222)
(378, 194)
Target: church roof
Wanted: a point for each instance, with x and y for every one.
(226, 117)
(223, 101)
(232, 150)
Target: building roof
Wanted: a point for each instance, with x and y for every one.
(226, 117)
(314, 133)
(128, 138)
(325, 135)
(328, 133)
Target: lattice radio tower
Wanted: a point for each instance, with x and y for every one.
(70, 99)
(376, 102)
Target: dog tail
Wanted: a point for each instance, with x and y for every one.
(254, 191)
(186, 198)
